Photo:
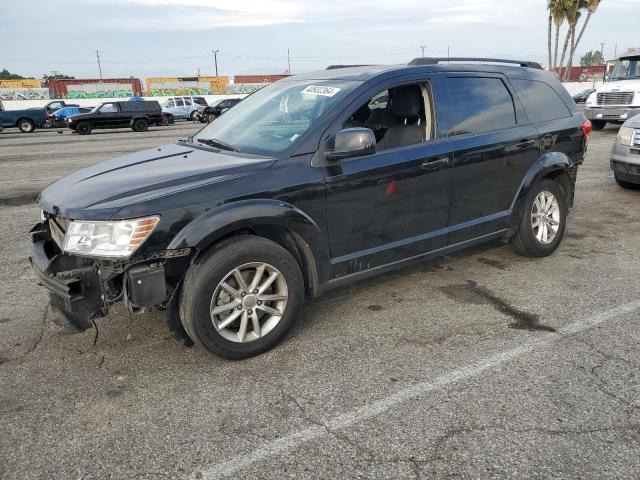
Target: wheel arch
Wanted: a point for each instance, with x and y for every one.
(554, 165)
(277, 221)
(17, 124)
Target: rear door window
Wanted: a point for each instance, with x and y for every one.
(478, 105)
(541, 102)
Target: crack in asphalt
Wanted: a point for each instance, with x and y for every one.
(35, 344)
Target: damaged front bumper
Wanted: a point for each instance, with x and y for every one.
(84, 288)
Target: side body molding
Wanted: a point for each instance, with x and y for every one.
(217, 223)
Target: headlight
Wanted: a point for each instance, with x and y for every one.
(69, 120)
(108, 239)
(591, 99)
(625, 135)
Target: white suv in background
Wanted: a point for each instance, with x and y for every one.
(184, 107)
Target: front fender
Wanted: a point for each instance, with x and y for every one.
(548, 163)
(215, 224)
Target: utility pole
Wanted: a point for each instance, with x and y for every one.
(602, 44)
(448, 56)
(215, 59)
(422, 47)
(288, 62)
(99, 66)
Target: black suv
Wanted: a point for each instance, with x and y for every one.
(314, 182)
(135, 115)
(210, 113)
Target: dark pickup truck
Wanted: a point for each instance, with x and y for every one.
(28, 119)
(135, 115)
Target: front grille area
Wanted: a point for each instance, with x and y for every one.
(58, 227)
(615, 98)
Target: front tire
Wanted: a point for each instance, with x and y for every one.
(140, 125)
(241, 298)
(83, 128)
(543, 220)
(598, 124)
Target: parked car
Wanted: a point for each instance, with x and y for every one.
(59, 117)
(135, 115)
(212, 112)
(583, 95)
(184, 107)
(312, 183)
(28, 119)
(625, 156)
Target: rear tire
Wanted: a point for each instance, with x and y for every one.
(202, 293)
(598, 124)
(26, 125)
(627, 185)
(211, 118)
(540, 233)
(83, 128)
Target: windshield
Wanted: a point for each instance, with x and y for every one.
(274, 118)
(626, 68)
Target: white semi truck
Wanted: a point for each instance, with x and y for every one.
(619, 98)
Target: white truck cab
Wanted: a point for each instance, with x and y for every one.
(619, 98)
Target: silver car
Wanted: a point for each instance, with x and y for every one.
(184, 107)
(625, 157)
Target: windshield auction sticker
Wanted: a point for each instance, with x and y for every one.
(321, 90)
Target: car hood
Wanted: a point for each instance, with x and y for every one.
(98, 192)
(630, 85)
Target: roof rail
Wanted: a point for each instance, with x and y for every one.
(335, 67)
(436, 60)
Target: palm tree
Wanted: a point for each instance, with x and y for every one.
(572, 14)
(559, 14)
(591, 6)
(550, 7)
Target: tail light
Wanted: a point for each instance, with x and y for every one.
(587, 128)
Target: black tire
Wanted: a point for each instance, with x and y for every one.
(598, 124)
(140, 125)
(193, 115)
(203, 278)
(83, 128)
(626, 185)
(525, 241)
(211, 117)
(26, 125)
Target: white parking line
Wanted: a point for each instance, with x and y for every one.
(294, 439)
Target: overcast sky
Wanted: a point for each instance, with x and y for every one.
(175, 37)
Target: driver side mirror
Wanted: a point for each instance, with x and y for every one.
(352, 142)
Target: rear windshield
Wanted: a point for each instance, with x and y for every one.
(274, 118)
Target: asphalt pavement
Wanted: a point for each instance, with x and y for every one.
(483, 364)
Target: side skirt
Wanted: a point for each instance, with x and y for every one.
(355, 277)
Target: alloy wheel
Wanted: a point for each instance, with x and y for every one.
(545, 217)
(249, 302)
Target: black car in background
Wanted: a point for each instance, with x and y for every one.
(312, 183)
(210, 113)
(135, 115)
(582, 96)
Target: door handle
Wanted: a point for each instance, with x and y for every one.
(526, 143)
(435, 163)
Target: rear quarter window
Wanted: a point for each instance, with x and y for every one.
(478, 105)
(541, 102)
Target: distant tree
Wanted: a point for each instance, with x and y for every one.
(592, 58)
(7, 75)
(55, 76)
